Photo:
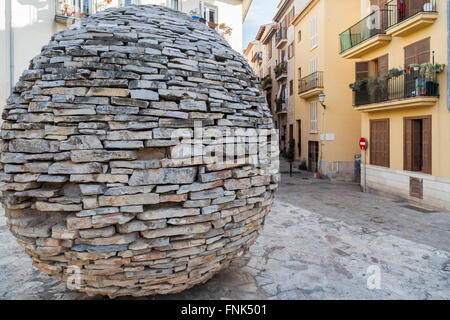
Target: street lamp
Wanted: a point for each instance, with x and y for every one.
(322, 99)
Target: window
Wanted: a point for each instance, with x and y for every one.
(299, 73)
(313, 117)
(290, 17)
(291, 51)
(269, 48)
(210, 14)
(379, 142)
(299, 35)
(418, 52)
(291, 87)
(314, 33)
(417, 144)
(175, 4)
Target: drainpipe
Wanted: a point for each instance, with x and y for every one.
(448, 54)
(10, 43)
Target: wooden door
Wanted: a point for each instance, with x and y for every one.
(313, 156)
(426, 145)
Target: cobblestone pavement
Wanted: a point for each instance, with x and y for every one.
(318, 243)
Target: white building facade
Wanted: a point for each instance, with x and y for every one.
(27, 25)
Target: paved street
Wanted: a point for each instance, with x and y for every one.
(318, 243)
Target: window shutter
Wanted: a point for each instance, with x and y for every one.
(410, 55)
(362, 70)
(426, 144)
(418, 52)
(313, 30)
(313, 116)
(383, 65)
(423, 51)
(407, 154)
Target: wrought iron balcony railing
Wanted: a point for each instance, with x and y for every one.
(281, 35)
(281, 107)
(313, 81)
(280, 69)
(399, 11)
(387, 88)
(372, 25)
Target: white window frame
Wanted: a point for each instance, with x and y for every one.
(176, 3)
(207, 8)
(313, 123)
(314, 33)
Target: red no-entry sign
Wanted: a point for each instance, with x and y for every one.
(363, 144)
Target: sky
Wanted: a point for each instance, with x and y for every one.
(261, 12)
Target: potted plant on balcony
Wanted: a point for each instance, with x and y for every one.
(421, 91)
(428, 72)
(212, 25)
(394, 72)
(265, 82)
(355, 86)
(414, 66)
(439, 67)
(280, 69)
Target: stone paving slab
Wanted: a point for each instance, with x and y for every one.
(300, 255)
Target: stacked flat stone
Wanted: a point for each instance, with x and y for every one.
(92, 183)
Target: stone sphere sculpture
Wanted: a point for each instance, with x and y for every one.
(97, 181)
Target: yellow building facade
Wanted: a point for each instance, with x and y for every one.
(326, 134)
(404, 111)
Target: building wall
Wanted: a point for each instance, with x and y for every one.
(440, 113)
(338, 124)
(4, 54)
(32, 24)
(395, 180)
(229, 12)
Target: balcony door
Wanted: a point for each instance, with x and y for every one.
(417, 144)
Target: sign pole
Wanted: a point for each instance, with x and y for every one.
(365, 170)
(363, 144)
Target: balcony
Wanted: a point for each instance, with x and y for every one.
(366, 35)
(281, 71)
(266, 83)
(311, 85)
(403, 90)
(413, 15)
(281, 38)
(281, 107)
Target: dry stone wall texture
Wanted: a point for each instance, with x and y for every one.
(92, 182)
